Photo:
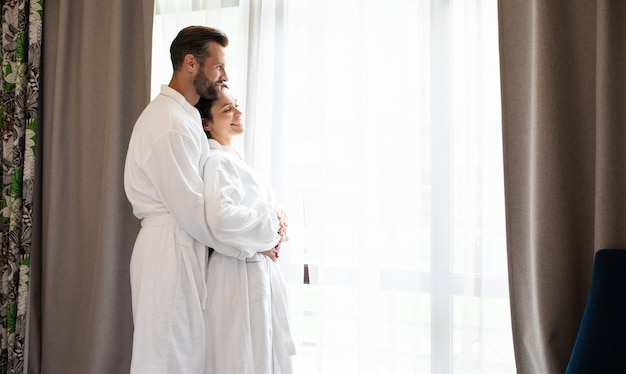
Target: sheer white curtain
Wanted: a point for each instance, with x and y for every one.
(378, 124)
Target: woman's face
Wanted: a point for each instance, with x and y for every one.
(227, 118)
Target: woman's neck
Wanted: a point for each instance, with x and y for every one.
(226, 142)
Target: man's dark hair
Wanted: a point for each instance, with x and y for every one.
(195, 40)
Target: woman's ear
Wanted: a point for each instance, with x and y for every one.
(206, 124)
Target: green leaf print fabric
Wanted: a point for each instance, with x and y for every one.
(19, 120)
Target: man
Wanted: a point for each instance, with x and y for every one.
(163, 180)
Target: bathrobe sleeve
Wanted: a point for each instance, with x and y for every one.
(238, 208)
(178, 179)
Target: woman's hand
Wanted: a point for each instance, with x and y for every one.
(273, 253)
(282, 229)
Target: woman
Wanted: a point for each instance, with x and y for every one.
(247, 325)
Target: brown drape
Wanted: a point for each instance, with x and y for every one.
(96, 81)
(563, 72)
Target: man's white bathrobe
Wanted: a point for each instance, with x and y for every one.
(247, 315)
(164, 182)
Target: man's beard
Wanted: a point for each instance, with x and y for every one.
(205, 87)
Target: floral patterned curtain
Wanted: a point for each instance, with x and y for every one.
(19, 92)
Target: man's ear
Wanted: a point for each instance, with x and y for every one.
(189, 63)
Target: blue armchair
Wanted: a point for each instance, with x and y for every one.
(600, 346)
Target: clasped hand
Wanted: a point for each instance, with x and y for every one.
(273, 253)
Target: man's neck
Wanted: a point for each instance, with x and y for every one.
(186, 89)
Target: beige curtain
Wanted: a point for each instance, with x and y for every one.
(96, 79)
(563, 73)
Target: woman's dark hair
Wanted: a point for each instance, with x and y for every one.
(204, 107)
(195, 40)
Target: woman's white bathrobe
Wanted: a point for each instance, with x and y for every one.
(164, 182)
(247, 316)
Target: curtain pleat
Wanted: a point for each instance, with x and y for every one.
(96, 81)
(562, 77)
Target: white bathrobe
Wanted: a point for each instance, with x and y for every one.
(164, 182)
(248, 326)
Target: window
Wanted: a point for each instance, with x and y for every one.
(378, 124)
